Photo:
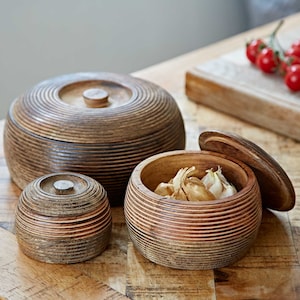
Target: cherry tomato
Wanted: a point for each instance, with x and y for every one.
(295, 51)
(296, 44)
(267, 60)
(253, 48)
(292, 78)
(287, 62)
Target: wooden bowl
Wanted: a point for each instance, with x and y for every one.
(63, 218)
(192, 235)
(205, 234)
(98, 124)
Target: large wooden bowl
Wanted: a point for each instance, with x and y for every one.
(187, 234)
(98, 124)
(63, 218)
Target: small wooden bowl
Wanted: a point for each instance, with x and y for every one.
(63, 218)
(192, 235)
(98, 124)
(186, 234)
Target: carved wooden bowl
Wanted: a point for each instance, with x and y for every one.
(98, 124)
(63, 218)
(192, 235)
(189, 234)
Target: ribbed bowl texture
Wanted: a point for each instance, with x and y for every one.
(51, 128)
(57, 227)
(186, 234)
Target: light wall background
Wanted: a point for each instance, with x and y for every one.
(42, 39)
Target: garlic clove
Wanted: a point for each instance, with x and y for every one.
(228, 190)
(221, 176)
(178, 179)
(208, 179)
(196, 191)
(217, 184)
(164, 189)
(213, 183)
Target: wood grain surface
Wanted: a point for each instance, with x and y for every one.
(270, 270)
(231, 84)
(102, 143)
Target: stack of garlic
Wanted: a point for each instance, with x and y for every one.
(186, 186)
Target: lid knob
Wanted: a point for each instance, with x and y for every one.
(95, 97)
(63, 187)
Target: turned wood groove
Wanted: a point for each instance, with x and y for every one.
(50, 129)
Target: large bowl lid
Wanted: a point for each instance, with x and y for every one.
(276, 188)
(93, 107)
(98, 124)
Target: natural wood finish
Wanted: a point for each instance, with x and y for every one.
(229, 83)
(276, 188)
(192, 235)
(24, 278)
(270, 270)
(50, 129)
(146, 280)
(63, 218)
(95, 97)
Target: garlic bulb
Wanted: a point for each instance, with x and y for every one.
(217, 184)
(184, 186)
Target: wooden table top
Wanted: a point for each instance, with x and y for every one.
(270, 270)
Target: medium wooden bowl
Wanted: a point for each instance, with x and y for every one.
(63, 218)
(98, 124)
(192, 235)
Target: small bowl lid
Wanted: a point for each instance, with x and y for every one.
(276, 188)
(64, 195)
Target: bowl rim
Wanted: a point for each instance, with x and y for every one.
(136, 179)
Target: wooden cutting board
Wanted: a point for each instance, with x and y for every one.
(230, 84)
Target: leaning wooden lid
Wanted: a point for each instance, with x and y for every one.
(276, 188)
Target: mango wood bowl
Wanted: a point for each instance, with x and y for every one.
(187, 234)
(63, 218)
(205, 234)
(98, 124)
